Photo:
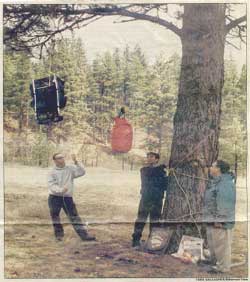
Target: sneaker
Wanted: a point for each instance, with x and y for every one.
(88, 237)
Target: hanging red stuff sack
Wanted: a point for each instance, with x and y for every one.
(121, 136)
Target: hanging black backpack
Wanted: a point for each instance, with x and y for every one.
(48, 98)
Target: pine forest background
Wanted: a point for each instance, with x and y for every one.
(95, 93)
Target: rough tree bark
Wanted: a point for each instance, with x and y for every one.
(197, 118)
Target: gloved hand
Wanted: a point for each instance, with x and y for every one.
(121, 112)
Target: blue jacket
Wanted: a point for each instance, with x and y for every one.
(219, 201)
(153, 183)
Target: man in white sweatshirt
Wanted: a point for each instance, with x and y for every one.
(61, 186)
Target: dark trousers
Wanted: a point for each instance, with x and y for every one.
(147, 208)
(56, 203)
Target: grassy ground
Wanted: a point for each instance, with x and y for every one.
(108, 200)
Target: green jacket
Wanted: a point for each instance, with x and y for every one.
(219, 201)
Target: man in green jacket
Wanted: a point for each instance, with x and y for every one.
(219, 215)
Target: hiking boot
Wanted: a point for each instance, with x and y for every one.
(217, 270)
(206, 262)
(136, 243)
(214, 270)
(88, 237)
(57, 119)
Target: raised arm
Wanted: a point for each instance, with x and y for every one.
(77, 169)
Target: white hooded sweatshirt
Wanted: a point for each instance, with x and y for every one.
(59, 178)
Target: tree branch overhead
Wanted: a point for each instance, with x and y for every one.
(235, 23)
(30, 26)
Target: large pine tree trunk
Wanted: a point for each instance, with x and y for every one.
(197, 118)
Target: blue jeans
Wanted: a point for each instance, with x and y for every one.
(56, 203)
(147, 208)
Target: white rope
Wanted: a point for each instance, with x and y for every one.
(189, 206)
(188, 175)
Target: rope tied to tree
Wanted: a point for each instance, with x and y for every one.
(194, 150)
(187, 175)
(188, 203)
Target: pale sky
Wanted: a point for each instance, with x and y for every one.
(154, 39)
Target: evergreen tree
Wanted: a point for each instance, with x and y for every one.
(104, 94)
(159, 104)
(96, 91)
(135, 71)
(233, 123)
(17, 68)
(67, 59)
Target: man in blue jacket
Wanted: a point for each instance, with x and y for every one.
(219, 215)
(153, 185)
